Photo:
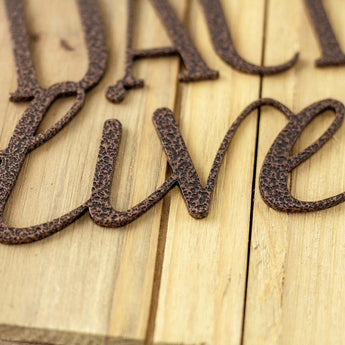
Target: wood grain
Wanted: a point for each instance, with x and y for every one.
(201, 296)
(168, 278)
(296, 270)
(86, 279)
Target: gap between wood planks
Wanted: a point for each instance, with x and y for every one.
(263, 47)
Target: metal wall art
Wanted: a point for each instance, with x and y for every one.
(278, 162)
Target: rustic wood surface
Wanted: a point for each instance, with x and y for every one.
(246, 274)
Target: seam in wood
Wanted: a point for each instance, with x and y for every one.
(264, 33)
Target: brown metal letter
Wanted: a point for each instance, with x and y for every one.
(332, 54)
(224, 46)
(197, 197)
(24, 138)
(278, 162)
(196, 68)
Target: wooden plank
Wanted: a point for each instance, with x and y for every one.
(296, 269)
(86, 279)
(204, 270)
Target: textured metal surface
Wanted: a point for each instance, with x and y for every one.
(276, 167)
(196, 68)
(273, 179)
(224, 46)
(24, 138)
(197, 197)
(332, 54)
(279, 163)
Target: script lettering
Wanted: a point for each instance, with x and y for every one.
(274, 173)
(196, 68)
(224, 46)
(278, 162)
(331, 52)
(24, 138)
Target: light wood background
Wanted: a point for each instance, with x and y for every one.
(244, 275)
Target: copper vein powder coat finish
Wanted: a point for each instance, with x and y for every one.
(224, 46)
(273, 178)
(332, 54)
(24, 138)
(279, 163)
(196, 68)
